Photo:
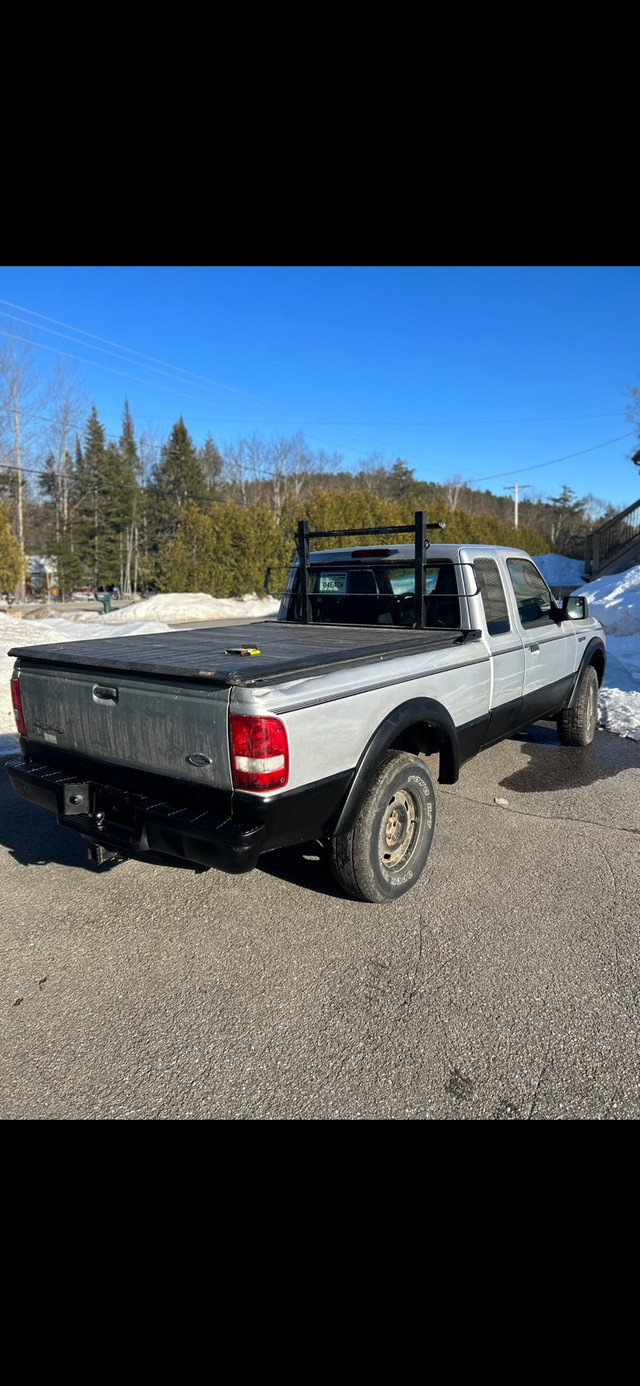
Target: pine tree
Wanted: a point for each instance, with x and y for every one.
(90, 486)
(68, 563)
(568, 525)
(177, 480)
(211, 461)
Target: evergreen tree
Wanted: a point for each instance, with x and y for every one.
(69, 566)
(101, 534)
(13, 566)
(211, 461)
(177, 480)
(224, 552)
(568, 526)
(90, 486)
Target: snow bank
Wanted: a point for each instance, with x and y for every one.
(178, 607)
(616, 601)
(619, 712)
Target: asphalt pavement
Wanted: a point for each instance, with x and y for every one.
(504, 987)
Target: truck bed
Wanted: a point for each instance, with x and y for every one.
(211, 654)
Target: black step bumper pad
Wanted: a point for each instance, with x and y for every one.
(138, 825)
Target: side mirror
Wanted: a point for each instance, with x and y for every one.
(575, 608)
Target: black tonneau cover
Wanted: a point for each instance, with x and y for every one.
(212, 653)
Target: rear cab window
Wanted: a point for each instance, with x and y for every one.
(378, 595)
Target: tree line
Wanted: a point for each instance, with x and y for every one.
(172, 516)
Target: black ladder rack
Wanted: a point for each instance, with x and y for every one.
(418, 529)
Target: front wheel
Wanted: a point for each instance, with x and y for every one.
(577, 725)
(384, 853)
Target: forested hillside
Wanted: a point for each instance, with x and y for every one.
(144, 513)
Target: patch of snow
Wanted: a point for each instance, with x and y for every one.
(619, 712)
(179, 607)
(616, 601)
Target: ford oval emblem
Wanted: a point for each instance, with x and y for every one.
(197, 759)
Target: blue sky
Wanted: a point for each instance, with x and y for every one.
(500, 375)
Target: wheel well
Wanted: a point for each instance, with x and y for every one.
(421, 739)
(597, 661)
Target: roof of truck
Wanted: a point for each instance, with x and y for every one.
(404, 553)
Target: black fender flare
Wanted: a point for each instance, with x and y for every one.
(416, 710)
(596, 644)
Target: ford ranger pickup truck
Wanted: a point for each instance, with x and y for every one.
(211, 746)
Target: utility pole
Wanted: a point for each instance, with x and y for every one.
(515, 490)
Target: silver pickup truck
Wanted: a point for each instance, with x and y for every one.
(212, 746)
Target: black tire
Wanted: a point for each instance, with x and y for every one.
(577, 725)
(384, 853)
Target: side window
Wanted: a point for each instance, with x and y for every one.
(531, 592)
(493, 599)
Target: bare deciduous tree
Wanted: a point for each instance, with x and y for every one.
(452, 489)
(245, 464)
(65, 416)
(24, 401)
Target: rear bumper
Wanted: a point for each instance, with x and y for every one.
(139, 825)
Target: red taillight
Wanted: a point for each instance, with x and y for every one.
(259, 752)
(17, 705)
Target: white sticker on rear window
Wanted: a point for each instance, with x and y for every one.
(332, 582)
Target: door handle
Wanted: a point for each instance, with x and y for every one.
(535, 649)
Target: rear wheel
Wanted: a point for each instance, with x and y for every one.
(577, 725)
(385, 851)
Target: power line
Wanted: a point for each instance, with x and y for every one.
(195, 378)
(208, 383)
(132, 351)
(155, 447)
(156, 362)
(394, 423)
(568, 456)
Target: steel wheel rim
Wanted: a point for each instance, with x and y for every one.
(399, 830)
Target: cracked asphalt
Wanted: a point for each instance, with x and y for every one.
(504, 987)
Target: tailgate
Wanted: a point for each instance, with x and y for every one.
(123, 719)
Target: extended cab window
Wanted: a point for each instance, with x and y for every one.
(531, 593)
(493, 598)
